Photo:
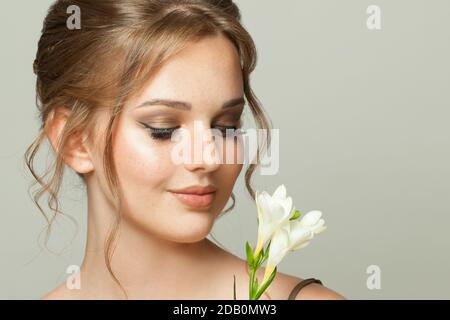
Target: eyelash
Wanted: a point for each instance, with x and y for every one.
(166, 133)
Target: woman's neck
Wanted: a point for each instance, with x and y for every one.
(145, 265)
(148, 267)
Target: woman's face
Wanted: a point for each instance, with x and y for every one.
(206, 75)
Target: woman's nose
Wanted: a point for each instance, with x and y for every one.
(204, 153)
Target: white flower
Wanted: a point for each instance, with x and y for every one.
(291, 236)
(273, 211)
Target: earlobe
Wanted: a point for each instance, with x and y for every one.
(75, 152)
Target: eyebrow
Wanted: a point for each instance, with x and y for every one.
(186, 105)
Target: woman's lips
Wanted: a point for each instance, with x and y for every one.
(196, 201)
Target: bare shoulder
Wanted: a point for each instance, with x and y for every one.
(232, 266)
(283, 283)
(312, 291)
(60, 293)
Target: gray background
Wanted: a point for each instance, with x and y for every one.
(364, 137)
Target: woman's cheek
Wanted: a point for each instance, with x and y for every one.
(233, 172)
(144, 170)
(228, 176)
(235, 168)
(142, 161)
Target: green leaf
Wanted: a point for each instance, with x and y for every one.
(295, 215)
(266, 284)
(257, 259)
(266, 254)
(249, 252)
(234, 287)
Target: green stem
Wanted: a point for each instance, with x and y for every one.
(254, 291)
(250, 287)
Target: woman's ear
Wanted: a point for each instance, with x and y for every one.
(76, 153)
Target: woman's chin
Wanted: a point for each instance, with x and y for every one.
(189, 237)
(183, 230)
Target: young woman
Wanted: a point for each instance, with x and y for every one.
(110, 95)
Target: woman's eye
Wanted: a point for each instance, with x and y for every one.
(230, 131)
(161, 133)
(166, 133)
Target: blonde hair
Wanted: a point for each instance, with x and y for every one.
(107, 61)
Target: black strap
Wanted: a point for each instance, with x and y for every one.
(300, 285)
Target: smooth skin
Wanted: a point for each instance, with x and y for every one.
(163, 252)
